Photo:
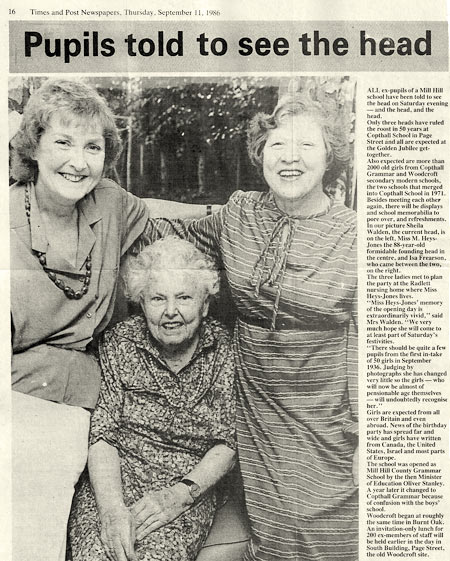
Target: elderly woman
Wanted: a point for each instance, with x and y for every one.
(69, 229)
(290, 258)
(162, 434)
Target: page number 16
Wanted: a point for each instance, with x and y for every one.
(12, 11)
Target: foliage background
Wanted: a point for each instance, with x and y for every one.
(185, 137)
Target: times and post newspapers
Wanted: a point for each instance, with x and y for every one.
(394, 58)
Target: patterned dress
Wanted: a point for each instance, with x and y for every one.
(293, 281)
(162, 425)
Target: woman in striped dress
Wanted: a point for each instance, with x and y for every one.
(290, 260)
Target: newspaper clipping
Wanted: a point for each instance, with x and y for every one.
(272, 137)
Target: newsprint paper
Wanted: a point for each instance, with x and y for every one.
(387, 66)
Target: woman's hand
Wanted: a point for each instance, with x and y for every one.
(158, 508)
(118, 533)
(118, 525)
(355, 467)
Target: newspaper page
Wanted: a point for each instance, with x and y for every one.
(184, 80)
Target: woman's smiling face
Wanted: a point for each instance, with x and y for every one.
(174, 304)
(295, 160)
(70, 158)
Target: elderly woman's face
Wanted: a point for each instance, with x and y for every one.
(294, 159)
(174, 305)
(70, 158)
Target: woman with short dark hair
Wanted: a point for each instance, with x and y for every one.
(290, 259)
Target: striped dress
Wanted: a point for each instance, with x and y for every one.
(293, 281)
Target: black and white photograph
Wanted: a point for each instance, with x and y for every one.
(225, 278)
(184, 318)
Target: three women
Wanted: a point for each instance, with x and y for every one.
(290, 259)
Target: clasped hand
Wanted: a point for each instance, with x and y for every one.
(158, 508)
(122, 526)
(118, 533)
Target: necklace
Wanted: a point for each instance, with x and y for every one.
(59, 283)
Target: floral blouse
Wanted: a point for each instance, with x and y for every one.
(162, 423)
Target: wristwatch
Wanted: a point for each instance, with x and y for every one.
(194, 489)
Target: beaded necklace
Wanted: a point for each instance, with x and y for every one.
(70, 293)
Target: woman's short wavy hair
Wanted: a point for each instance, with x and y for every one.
(174, 254)
(73, 100)
(326, 115)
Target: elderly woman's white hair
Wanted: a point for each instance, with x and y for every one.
(170, 253)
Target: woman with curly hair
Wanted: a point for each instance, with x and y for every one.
(69, 228)
(289, 255)
(163, 432)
